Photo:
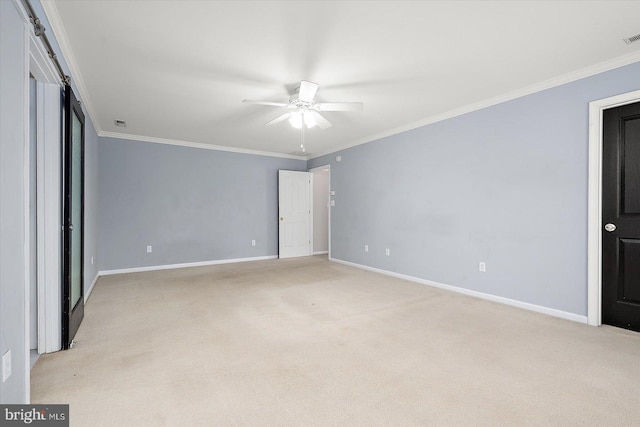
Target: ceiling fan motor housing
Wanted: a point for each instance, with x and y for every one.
(305, 108)
(300, 104)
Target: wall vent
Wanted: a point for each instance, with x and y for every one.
(120, 123)
(632, 39)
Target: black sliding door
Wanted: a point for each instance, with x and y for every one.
(73, 207)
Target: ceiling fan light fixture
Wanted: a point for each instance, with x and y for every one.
(309, 120)
(302, 109)
(296, 120)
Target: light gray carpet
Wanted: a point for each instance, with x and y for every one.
(307, 342)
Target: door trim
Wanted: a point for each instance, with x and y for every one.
(38, 63)
(594, 222)
(49, 236)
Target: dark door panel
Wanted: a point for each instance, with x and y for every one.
(621, 217)
(630, 271)
(73, 206)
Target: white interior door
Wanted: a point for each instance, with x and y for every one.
(295, 220)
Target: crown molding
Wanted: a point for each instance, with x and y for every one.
(69, 59)
(63, 41)
(58, 29)
(592, 70)
(200, 145)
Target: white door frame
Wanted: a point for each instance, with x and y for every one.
(594, 233)
(48, 198)
(329, 207)
(49, 219)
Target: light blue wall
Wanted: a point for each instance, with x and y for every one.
(13, 90)
(506, 185)
(189, 204)
(90, 203)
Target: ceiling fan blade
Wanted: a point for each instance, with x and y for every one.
(279, 119)
(307, 91)
(274, 104)
(340, 106)
(320, 121)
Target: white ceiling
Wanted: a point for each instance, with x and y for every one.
(179, 70)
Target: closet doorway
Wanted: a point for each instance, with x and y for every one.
(321, 210)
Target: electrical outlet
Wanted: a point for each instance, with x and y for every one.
(387, 252)
(253, 243)
(6, 366)
(482, 267)
(333, 203)
(366, 248)
(149, 249)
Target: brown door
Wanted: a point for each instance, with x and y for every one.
(621, 217)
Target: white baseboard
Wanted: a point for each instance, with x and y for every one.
(507, 301)
(321, 252)
(88, 293)
(184, 265)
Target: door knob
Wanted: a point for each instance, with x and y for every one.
(610, 227)
(70, 227)
(281, 219)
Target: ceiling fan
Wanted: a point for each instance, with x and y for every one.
(304, 109)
